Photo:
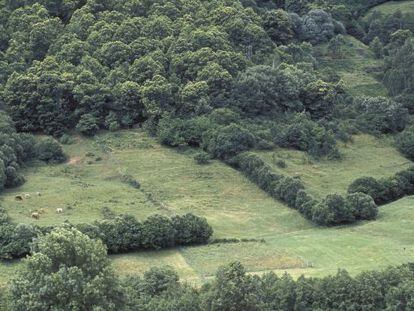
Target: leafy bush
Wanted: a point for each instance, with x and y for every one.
(306, 135)
(228, 141)
(405, 143)
(380, 115)
(87, 125)
(281, 164)
(49, 150)
(333, 210)
(190, 229)
(385, 190)
(362, 206)
(202, 158)
(130, 180)
(367, 185)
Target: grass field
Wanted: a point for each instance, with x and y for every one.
(391, 7)
(365, 156)
(355, 67)
(236, 208)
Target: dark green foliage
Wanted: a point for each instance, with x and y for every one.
(367, 185)
(377, 47)
(380, 115)
(15, 240)
(68, 271)
(307, 135)
(228, 141)
(362, 206)
(278, 26)
(202, 158)
(158, 232)
(405, 143)
(281, 164)
(49, 150)
(385, 190)
(398, 76)
(333, 210)
(190, 229)
(130, 180)
(119, 234)
(87, 125)
(233, 289)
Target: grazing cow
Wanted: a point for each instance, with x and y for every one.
(35, 215)
(27, 196)
(59, 210)
(18, 198)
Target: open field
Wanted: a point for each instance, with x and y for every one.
(391, 7)
(236, 208)
(355, 66)
(366, 156)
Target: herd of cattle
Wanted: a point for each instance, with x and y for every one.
(35, 215)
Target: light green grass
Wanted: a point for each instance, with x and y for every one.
(365, 156)
(235, 207)
(354, 67)
(392, 7)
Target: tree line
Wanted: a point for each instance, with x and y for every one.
(334, 209)
(121, 234)
(53, 278)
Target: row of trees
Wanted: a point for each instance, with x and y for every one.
(387, 189)
(333, 210)
(69, 271)
(122, 234)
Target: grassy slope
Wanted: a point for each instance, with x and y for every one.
(391, 7)
(354, 67)
(173, 183)
(366, 156)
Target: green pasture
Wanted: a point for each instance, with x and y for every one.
(171, 182)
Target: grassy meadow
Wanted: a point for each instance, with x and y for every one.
(355, 65)
(365, 156)
(390, 7)
(171, 182)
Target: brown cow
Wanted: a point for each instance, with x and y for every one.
(35, 215)
(18, 198)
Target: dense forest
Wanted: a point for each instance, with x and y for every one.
(227, 78)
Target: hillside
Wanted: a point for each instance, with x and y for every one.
(171, 182)
(391, 7)
(356, 66)
(197, 155)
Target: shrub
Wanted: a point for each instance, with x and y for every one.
(228, 141)
(305, 203)
(380, 115)
(306, 135)
(367, 185)
(405, 143)
(281, 164)
(87, 125)
(66, 139)
(49, 150)
(158, 232)
(362, 206)
(385, 190)
(332, 210)
(202, 158)
(190, 229)
(288, 188)
(130, 180)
